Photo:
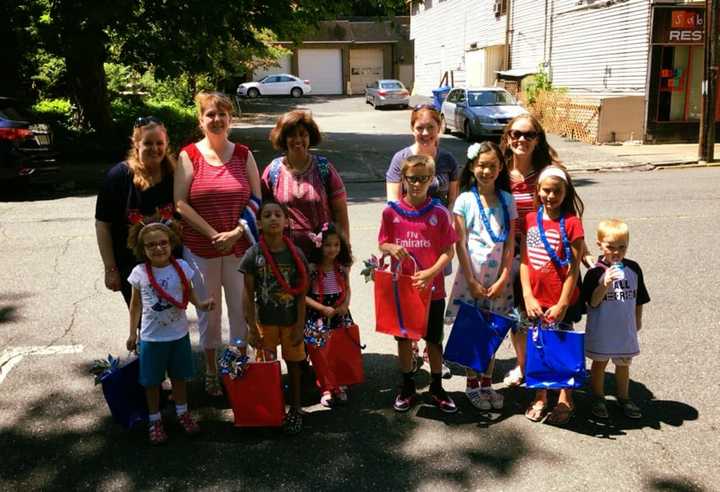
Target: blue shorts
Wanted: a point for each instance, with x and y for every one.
(156, 358)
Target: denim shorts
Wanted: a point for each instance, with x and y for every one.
(157, 358)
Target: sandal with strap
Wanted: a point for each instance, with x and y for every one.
(536, 412)
(599, 408)
(293, 423)
(630, 409)
(212, 385)
(560, 415)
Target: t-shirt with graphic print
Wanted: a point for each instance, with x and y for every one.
(611, 329)
(546, 278)
(274, 306)
(425, 232)
(161, 321)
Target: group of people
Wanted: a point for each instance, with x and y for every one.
(278, 245)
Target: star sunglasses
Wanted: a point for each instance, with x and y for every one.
(146, 120)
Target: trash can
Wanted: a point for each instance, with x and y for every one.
(439, 95)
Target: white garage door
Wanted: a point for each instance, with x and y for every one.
(366, 66)
(475, 68)
(323, 68)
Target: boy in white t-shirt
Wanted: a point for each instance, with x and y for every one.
(615, 293)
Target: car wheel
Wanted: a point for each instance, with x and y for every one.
(444, 124)
(252, 93)
(467, 132)
(296, 92)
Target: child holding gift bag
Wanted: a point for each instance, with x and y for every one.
(276, 282)
(161, 290)
(549, 270)
(485, 216)
(420, 227)
(329, 298)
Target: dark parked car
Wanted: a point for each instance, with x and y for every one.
(26, 144)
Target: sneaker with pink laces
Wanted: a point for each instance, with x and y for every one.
(156, 433)
(188, 423)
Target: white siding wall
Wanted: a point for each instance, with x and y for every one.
(528, 40)
(600, 52)
(445, 31)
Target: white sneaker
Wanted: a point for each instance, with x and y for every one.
(491, 398)
(514, 378)
(475, 397)
(446, 373)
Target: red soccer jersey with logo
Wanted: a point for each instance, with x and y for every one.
(425, 237)
(546, 278)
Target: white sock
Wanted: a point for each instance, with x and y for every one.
(154, 417)
(181, 409)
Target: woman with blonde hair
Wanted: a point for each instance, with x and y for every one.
(215, 182)
(139, 186)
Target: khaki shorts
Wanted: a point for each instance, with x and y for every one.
(274, 335)
(618, 361)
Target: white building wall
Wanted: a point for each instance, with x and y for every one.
(445, 31)
(600, 52)
(528, 40)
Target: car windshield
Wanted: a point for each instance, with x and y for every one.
(490, 98)
(264, 78)
(391, 85)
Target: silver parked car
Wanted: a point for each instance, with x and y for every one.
(281, 84)
(481, 112)
(387, 92)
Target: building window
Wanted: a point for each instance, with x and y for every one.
(500, 8)
(679, 83)
(427, 4)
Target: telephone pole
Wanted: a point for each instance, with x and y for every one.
(706, 140)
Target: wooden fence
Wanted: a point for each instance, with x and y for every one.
(559, 114)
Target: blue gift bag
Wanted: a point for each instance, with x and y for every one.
(555, 358)
(124, 394)
(475, 337)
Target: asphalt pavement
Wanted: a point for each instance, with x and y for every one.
(56, 317)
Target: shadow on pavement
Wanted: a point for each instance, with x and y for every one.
(362, 446)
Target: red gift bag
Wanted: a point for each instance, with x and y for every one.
(345, 356)
(319, 356)
(256, 397)
(400, 309)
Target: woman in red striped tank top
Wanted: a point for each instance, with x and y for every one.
(213, 185)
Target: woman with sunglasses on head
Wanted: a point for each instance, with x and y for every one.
(137, 187)
(426, 125)
(214, 184)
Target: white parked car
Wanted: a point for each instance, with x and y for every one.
(387, 92)
(281, 84)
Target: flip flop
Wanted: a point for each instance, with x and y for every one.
(560, 415)
(630, 409)
(536, 412)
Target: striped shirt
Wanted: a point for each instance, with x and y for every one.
(523, 191)
(219, 194)
(330, 284)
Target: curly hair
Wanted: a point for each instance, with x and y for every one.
(467, 176)
(138, 231)
(141, 176)
(543, 154)
(344, 258)
(289, 123)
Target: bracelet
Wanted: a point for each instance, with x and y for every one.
(111, 269)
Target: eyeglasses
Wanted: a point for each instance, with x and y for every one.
(163, 243)
(422, 179)
(516, 134)
(425, 106)
(146, 120)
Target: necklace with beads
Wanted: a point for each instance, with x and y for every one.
(162, 293)
(301, 286)
(563, 237)
(486, 220)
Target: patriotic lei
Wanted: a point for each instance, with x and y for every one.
(162, 293)
(413, 214)
(486, 220)
(301, 286)
(563, 236)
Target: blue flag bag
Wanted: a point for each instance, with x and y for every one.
(555, 358)
(475, 337)
(123, 392)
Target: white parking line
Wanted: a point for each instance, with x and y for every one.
(10, 358)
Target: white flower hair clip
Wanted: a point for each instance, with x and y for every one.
(472, 151)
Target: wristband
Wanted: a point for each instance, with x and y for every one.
(111, 269)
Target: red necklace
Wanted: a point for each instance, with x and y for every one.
(301, 286)
(339, 278)
(162, 293)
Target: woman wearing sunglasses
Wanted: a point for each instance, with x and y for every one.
(426, 126)
(139, 186)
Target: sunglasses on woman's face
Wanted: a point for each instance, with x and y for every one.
(516, 134)
(421, 179)
(146, 120)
